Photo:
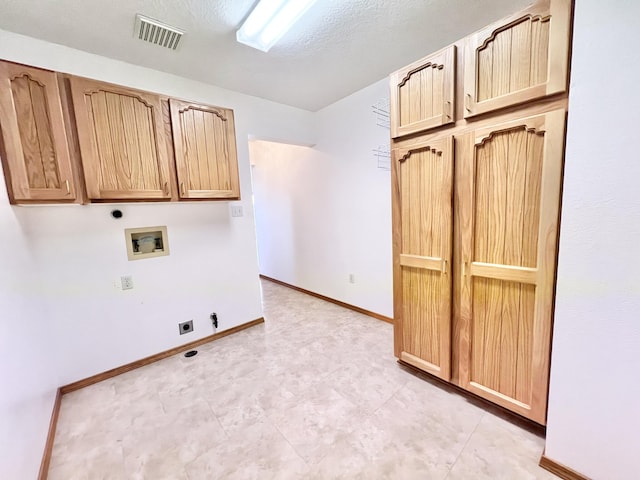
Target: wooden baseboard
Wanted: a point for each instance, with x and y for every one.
(48, 446)
(560, 470)
(331, 300)
(154, 358)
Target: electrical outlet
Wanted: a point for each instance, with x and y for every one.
(185, 327)
(126, 281)
(236, 211)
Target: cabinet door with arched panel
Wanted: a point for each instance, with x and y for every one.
(509, 202)
(122, 142)
(422, 94)
(422, 240)
(35, 149)
(521, 58)
(205, 149)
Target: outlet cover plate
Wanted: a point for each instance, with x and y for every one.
(236, 211)
(185, 327)
(126, 281)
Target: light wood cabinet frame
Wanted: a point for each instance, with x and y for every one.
(518, 59)
(36, 154)
(204, 142)
(122, 142)
(525, 362)
(422, 95)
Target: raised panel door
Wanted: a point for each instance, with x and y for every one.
(518, 59)
(422, 209)
(205, 151)
(422, 94)
(37, 159)
(509, 191)
(122, 142)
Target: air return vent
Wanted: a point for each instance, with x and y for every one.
(157, 33)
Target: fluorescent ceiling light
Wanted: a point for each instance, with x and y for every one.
(269, 21)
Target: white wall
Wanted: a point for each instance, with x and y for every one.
(28, 356)
(594, 409)
(325, 212)
(80, 250)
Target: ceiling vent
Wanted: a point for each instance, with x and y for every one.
(156, 32)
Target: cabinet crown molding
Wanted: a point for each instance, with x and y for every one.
(27, 75)
(405, 79)
(494, 33)
(94, 91)
(199, 108)
(427, 148)
(484, 139)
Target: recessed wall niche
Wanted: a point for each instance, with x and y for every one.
(146, 242)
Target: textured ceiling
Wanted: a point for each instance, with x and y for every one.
(337, 48)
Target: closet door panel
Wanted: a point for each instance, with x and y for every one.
(422, 94)
(518, 59)
(510, 194)
(423, 177)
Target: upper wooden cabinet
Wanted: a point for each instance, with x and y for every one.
(423, 216)
(205, 150)
(422, 94)
(36, 154)
(133, 145)
(122, 142)
(521, 58)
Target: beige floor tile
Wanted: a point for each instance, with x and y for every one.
(366, 385)
(498, 450)
(90, 458)
(313, 424)
(375, 451)
(258, 452)
(251, 397)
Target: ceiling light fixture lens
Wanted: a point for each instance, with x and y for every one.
(269, 21)
(264, 11)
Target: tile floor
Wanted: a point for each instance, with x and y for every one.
(314, 393)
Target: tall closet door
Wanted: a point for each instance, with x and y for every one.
(422, 207)
(509, 192)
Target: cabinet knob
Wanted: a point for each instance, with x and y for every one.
(67, 187)
(182, 189)
(165, 188)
